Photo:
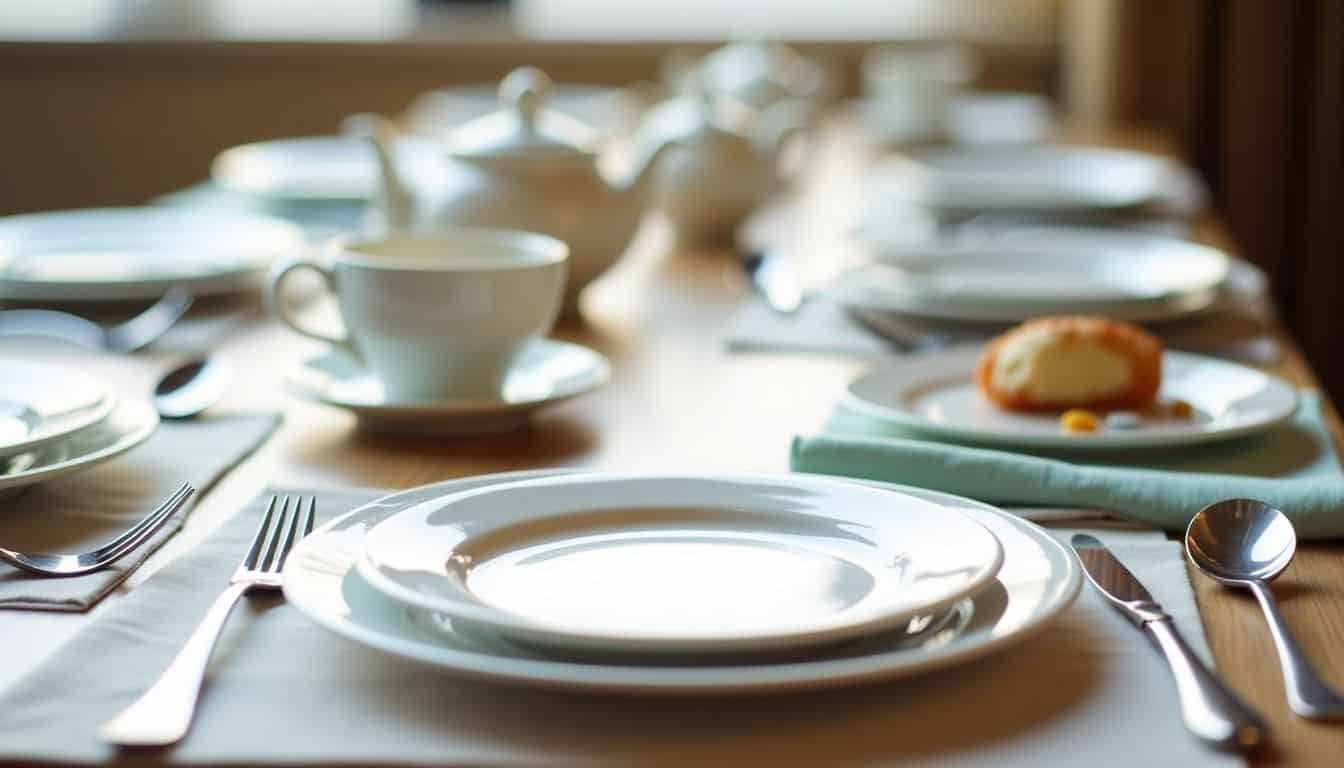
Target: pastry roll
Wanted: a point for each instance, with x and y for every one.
(1055, 363)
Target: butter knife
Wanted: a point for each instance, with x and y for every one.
(1211, 711)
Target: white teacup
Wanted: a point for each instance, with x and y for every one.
(438, 315)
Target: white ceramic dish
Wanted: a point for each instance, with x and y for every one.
(129, 424)
(1037, 581)
(938, 397)
(42, 403)
(1004, 278)
(137, 253)
(1022, 178)
(550, 372)
(680, 564)
(318, 168)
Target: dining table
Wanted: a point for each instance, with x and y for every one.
(678, 399)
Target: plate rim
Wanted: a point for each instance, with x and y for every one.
(505, 622)
(98, 412)
(804, 676)
(1093, 442)
(144, 429)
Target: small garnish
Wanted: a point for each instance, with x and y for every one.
(1078, 420)
(1180, 409)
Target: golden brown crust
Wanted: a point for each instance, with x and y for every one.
(1143, 350)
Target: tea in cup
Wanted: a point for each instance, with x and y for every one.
(440, 315)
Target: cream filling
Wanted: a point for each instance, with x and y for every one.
(1047, 371)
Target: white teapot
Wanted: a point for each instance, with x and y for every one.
(727, 162)
(530, 168)
(758, 74)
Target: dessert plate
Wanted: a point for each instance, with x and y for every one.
(42, 403)
(1037, 581)
(137, 253)
(319, 168)
(1007, 280)
(680, 564)
(938, 397)
(549, 372)
(1022, 178)
(128, 425)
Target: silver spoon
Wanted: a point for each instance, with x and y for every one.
(1246, 543)
(192, 387)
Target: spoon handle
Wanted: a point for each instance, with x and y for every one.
(1308, 695)
(1210, 710)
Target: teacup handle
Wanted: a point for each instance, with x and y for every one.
(275, 301)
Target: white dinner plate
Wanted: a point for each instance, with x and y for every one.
(610, 111)
(1022, 178)
(1038, 580)
(549, 372)
(320, 168)
(938, 396)
(137, 253)
(128, 425)
(42, 403)
(1142, 278)
(680, 564)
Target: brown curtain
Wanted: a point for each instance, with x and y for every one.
(1252, 89)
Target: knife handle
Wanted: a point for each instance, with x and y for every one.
(1210, 710)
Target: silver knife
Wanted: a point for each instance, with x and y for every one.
(776, 280)
(1210, 710)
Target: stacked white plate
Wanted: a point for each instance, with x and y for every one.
(1036, 178)
(730, 584)
(1010, 277)
(54, 421)
(113, 254)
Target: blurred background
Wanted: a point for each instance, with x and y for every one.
(119, 101)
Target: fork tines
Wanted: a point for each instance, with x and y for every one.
(285, 517)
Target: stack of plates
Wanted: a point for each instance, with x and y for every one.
(113, 254)
(54, 421)
(729, 584)
(1008, 278)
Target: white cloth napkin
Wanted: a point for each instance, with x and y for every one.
(1089, 690)
(81, 512)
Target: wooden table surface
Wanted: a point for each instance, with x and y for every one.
(677, 400)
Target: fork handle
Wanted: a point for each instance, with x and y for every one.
(163, 713)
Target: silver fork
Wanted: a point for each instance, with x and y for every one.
(112, 551)
(163, 713)
(134, 334)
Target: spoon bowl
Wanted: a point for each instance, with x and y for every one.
(1238, 540)
(192, 387)
(1245, 543)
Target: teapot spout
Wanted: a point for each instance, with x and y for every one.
(640, 181)
(395, 200)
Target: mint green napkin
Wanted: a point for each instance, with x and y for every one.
(1293, 467)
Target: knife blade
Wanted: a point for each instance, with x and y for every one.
(775, 279)
(1211, 711)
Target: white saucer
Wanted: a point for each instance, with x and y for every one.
(549, 372)
(1038, 580)
(129, 424)
(42, 403)
(1022, 178)
(680, 563)
(137, 253)
(938, 396)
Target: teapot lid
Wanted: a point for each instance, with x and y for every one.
(524, 126)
